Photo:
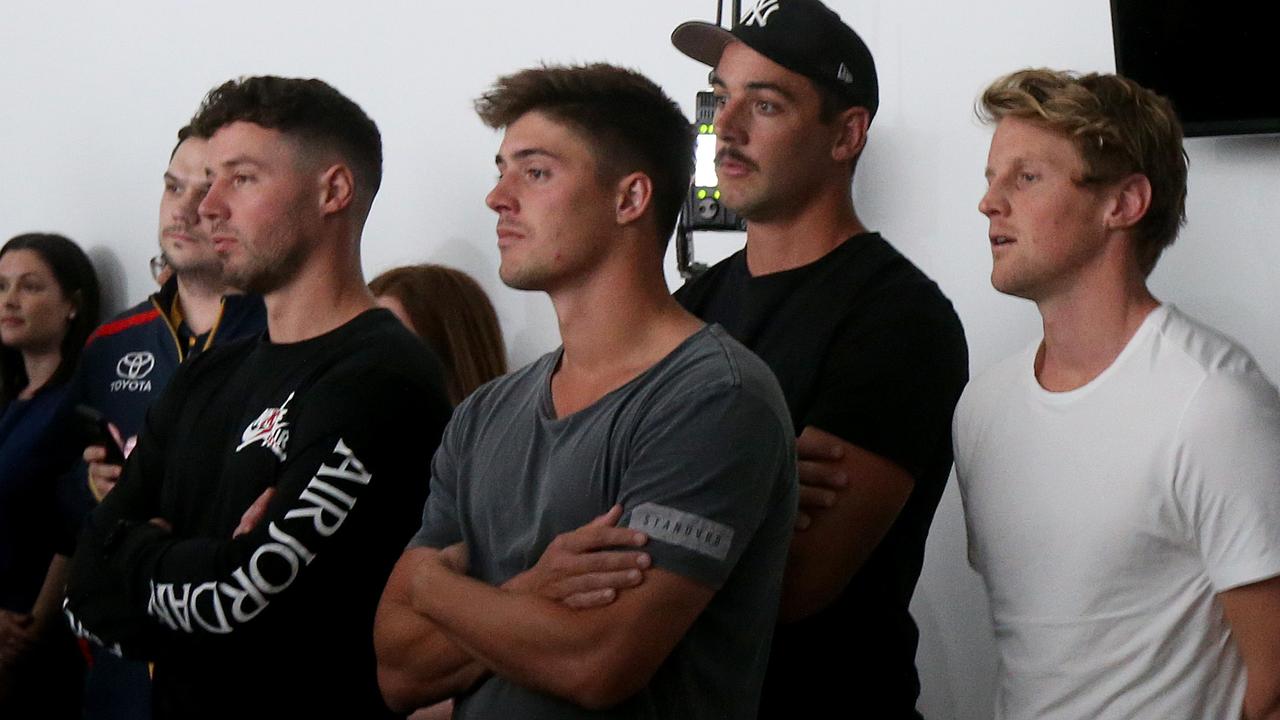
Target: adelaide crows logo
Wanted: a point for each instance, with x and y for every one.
(270, 429)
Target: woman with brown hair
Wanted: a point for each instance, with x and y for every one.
(449, 310)
(48, 306)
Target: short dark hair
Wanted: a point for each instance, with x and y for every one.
(78, 281)
(184, 133)
(309, 109)
(632, 124)
(1119, 127)
(831, 103)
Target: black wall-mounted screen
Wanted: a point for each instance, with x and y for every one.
(1217, 60)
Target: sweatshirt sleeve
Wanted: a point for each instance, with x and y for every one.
(346, 501)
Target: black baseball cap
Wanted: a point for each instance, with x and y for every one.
(803, 36)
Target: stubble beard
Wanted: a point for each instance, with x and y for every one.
(202, 271)
(747, 202)
(1020, 282)
(199, 265)
(264, 269)
(521, 278)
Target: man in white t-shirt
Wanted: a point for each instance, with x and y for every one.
(1120, 477)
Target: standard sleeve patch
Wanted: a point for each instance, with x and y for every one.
(687, 530)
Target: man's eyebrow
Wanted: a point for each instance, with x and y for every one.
(240, 160)
(231, 163)
(1016, 163)
(717, 81)
(525, 153)
(772, 87)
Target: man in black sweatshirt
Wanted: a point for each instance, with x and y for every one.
(277, 480)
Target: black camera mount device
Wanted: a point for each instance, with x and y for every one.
(702, 209)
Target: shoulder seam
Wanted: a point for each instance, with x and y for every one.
(735, 371)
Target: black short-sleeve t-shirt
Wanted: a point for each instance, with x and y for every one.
(866, 347)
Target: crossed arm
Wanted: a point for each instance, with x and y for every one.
(136, 583)
(562, 627)
(849, 498)
(417, 664)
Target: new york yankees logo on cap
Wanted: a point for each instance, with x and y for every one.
(759, 15)
(803, 36)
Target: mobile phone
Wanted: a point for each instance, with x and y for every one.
(96, 431)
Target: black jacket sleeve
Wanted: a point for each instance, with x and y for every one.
(348, 497)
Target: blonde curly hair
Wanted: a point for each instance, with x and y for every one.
(1119, 127)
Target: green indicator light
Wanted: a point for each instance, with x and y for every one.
(702, 194)
(716, 195)
(711, 129)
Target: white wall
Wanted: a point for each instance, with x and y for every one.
(94, 93)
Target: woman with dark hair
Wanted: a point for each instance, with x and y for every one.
(449, 310)
(48, 307)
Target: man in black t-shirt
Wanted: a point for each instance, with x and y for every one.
(869, 353)
(278, 478)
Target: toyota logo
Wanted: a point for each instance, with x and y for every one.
(136, 365)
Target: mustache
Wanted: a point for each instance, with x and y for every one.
(184, 229)
(736, 156)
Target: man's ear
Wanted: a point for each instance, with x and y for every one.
(1131, 198)
(852, 124)
(634, 193)
(337, 188)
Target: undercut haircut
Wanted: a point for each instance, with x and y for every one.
(1119, 128)
(307, 109)
(627, 119)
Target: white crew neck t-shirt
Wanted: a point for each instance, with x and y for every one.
(1105, 520)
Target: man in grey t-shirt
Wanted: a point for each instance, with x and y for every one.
(525, 594)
